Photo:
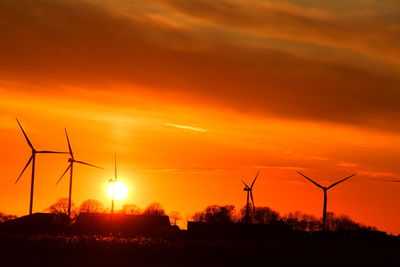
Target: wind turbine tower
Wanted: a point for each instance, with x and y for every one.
(32, 160)
(325, 189)
(249, 190)
(70, 167)
(113, 181)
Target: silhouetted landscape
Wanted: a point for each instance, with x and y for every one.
(216, 236)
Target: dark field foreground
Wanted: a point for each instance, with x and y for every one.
(183, 250)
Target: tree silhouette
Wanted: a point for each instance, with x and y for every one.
(175, 216)
(131, 209)
(265, 215)
(6, 217)
(91, 206)
(344, 222)
(216, 214)
(154, 209)
(198, 216)
(302, 222)
(220, 213)
(311, 223)
(61, 207)
(259, 215)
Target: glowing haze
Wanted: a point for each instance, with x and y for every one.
(196, 95)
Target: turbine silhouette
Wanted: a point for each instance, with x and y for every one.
(33, 160)
(249, 190)
(70, 167)
(325, 189)
(113, 181)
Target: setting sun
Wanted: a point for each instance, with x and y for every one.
(118, 190)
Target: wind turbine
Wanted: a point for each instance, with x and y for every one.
(71, 161)
(113, 181)
(33, 160)
(325, 189)
(249, 190)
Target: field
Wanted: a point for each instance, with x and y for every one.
(182, 250)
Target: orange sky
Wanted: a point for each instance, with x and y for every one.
(196, 95)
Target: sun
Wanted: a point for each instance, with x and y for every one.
(118, 190)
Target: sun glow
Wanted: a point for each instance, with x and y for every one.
(117, 190)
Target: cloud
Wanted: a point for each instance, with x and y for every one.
(357, 29)
(394, 181)
(347, 164)
(193, 170)
(289, 168)
(186, 127)
(375, 174)
(263, 58)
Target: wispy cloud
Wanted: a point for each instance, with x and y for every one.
(194, 170)
(290, 168)
(375, 174)
(347, 164)
(186, 127)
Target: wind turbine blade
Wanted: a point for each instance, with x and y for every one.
(317, 184)
(26, 166)
(115, 163)
(69, 167)
(81, 162)
(26, 137)
(245, 184)
(51, 152)
(254, 179)
(252, 199)
(69, 145)
(332, 185)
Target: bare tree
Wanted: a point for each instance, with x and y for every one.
(175, 216)
(131, 209)
(294, 220)
(198, 217)
(91, 206)
(259, 215)
(154, 209)
(311, 223)
(220, 213)
(265, 215)
(216, 214)
(344, 222)
(61, 207)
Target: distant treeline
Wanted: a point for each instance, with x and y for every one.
(216, 214)
(6, 217)
(95, 206)
(265, 215)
